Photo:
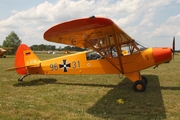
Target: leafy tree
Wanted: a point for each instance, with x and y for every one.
(12, 41)
(42, 47)
(67, 48)
(59, 48)
(48, 47)
(53, 47)
(34, 47)
(77, 49)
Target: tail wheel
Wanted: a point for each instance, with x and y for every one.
(145, 79)
(139, 86)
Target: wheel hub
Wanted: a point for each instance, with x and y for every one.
(139, 87)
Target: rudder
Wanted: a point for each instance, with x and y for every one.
(24, 58)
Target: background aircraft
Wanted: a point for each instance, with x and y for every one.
(112, 51)
(3, 51)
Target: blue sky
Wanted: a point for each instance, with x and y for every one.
(152, 22)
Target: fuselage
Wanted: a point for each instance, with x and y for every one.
(81, 63)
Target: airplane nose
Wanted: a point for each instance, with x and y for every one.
(162, 55)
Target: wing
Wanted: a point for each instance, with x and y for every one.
(2, 50)
(81, 32)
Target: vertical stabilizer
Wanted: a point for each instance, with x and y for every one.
(24, 58)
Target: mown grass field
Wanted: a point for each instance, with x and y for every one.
(89, 97)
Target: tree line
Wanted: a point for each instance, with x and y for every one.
(12, 41)
(43, 47)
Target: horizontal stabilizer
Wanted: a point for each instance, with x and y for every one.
(14, 68)
(20, 67)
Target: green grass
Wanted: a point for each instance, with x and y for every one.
(89, 97)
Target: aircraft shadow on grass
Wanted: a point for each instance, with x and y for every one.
(145, 105)
(36, 82)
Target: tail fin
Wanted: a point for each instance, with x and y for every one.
(25, 58)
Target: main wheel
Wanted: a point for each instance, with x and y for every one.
(139, 86)
(145, 79)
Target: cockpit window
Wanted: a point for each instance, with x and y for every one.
(93, 55)
(141, 47)
(129, 48)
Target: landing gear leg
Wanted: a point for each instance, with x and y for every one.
(145, 79)
(21, 79)
(139, 82)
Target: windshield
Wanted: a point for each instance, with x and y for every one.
(141, 47)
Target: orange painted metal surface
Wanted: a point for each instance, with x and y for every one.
(79, 31)
(77, 25)
(162, 54)
(19, 61)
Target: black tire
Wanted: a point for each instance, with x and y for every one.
(145, 79)
(139, 86)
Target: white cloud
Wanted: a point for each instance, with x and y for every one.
(136, 17)
(169, 28)
(127, 20)
(174, 20)
(165, 30)
(177, 1)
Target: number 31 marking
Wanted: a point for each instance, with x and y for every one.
(76, 64)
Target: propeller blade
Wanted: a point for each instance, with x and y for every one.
(173, 46)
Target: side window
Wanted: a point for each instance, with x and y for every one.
(128, 49)
(103, 42)
(93, 55)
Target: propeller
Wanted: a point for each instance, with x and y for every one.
(173, 46)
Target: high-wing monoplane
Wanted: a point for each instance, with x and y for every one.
(109, 51)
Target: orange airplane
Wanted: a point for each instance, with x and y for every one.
(111, 51)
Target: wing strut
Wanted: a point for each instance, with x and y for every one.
(118, 48)
(107, 58)
(119, 51)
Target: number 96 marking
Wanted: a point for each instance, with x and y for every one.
(54, 66)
